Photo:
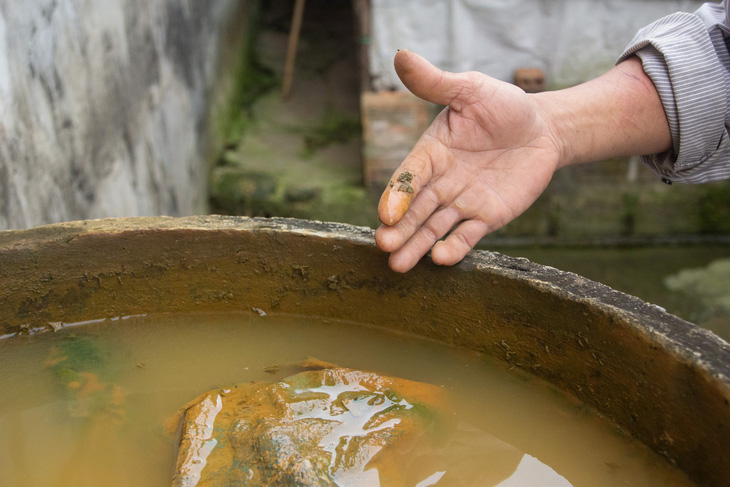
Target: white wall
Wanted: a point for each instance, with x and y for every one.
(101, 107)
(571, 40)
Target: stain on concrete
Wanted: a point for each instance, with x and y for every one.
(183, 37)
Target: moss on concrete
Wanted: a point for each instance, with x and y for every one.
(300, 156)
(335, 127)
(248, 79)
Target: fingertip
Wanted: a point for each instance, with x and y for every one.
(403, 62)
(394, 203)
(444, 254)
(384, 214)
(397, 263)
(438, 254)
(402, 54)
(383, 239)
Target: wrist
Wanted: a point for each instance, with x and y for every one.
(617, 114)
(556, 118)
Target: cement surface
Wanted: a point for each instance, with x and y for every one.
(103, 107)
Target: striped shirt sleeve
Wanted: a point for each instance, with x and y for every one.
(686, 56)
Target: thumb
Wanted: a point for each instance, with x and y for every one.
(430, 83)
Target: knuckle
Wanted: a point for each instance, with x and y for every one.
(429, 232)
(462, 241)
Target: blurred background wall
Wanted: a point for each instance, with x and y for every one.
(571, 41)
(121, 108)
(103, 106)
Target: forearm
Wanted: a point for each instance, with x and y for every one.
(617, 114)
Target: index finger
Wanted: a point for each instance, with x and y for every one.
(404, 186)
(426, 81)
(397, 197)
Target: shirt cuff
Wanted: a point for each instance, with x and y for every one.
(678, 53)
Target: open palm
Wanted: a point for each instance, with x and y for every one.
(484, 160)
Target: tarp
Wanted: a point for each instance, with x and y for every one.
(571, 40)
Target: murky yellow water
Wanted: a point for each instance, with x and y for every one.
(59, 427)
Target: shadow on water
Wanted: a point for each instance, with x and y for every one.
(690, 281)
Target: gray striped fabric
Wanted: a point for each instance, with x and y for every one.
(686, 56)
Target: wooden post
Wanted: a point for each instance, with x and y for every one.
(291, 53)
(362, 21)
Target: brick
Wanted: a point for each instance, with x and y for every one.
(392, 122)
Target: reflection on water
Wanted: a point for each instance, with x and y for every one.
(532, 471)
(87, 406)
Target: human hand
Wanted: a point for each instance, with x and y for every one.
(484, 160)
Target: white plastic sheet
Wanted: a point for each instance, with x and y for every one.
(571, 40)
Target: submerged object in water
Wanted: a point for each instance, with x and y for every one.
(318, 427)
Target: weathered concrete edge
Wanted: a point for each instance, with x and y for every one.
(690, 343)
(73, 229)
(685, 340)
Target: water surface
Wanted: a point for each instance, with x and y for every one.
(85, 406)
